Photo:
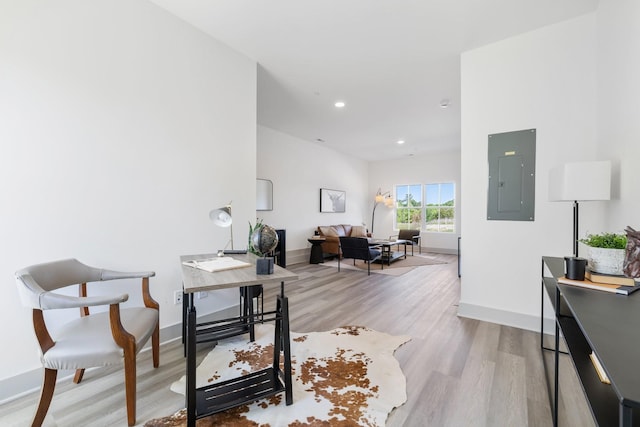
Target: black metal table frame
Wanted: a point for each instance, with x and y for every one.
(217, 397)
(387, 255)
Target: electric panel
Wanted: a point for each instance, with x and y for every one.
(512, 163)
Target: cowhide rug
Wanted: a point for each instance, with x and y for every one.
(344, 377)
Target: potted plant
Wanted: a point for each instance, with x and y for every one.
(263, 239)
(606, 252)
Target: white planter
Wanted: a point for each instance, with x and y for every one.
(606, 261)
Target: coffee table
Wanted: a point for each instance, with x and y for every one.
(387, 255)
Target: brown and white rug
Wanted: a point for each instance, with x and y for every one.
(344, 377)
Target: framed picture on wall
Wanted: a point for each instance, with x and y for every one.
(332, 200)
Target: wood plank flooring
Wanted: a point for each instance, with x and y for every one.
(460, 372)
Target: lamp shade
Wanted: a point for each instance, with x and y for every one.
(221, 216)
(580, 181)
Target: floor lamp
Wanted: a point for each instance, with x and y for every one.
(580, 182)
(381, 198)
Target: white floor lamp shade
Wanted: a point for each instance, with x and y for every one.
(580, 181)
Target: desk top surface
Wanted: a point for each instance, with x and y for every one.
(195, 279)
(611, 325)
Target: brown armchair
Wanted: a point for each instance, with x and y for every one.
(412, 238)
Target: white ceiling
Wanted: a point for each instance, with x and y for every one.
(391, 61)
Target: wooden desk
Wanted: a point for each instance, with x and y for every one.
(607, 324)
(220, 396)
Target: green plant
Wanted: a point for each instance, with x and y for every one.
(252, 229)
(606, 240)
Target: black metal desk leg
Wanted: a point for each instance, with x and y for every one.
(557, 365)
(626, 416)
(287, 351)
(191, 364)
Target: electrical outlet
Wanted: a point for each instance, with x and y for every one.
(177, 297)
(203, 294)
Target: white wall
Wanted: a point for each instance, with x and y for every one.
(545, 79)
(424, 169)
(298, 169)
(618, 106)
(120, 128)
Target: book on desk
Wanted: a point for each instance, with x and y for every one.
(612, 279)
(599, 369)
(607, 287)
(217, 264)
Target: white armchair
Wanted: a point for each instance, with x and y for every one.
(99, 339)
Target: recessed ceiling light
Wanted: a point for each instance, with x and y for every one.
(339, 104)
(401, 141)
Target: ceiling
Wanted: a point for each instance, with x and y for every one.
(392, 62)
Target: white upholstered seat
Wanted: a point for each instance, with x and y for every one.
(99, 339)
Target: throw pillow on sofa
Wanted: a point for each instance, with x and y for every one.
(358, 231)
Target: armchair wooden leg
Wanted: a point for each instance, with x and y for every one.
(130, 385)
(46, 394)
(78, 376)
(155, 346)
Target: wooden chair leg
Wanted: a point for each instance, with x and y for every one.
(46, 394)
(155, 346)
(130, 385)
(78, 376)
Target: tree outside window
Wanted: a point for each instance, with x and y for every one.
(440, 207)
(408, 207)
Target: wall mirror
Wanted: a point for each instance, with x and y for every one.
(264, 195)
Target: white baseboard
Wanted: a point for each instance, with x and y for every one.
(27, 382)
(507, 318)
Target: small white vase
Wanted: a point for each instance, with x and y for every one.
(606, 261)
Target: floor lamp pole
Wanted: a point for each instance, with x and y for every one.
(373, 215)
(575, 228)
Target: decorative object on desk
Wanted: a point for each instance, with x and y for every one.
(332, 200)
(584, 181)
(347, 376)
(575, 267)
(381, 197)
(606, 252)
(263, 239)
(222, 218)
(631, 265)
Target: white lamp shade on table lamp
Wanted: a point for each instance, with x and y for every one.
(222, 218)
(580, 181)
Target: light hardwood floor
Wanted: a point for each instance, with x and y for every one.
(460, 372)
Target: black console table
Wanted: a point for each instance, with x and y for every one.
(607, 324)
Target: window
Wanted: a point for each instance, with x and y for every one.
(440, 207)
(409, 206)
(437, 213)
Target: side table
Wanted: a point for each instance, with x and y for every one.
(316, 256)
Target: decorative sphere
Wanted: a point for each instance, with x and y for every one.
(264, 239)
